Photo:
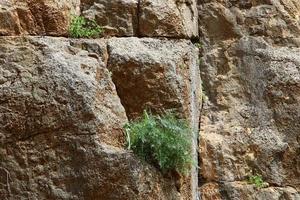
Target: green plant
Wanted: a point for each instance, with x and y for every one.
(164, 141)
(198, 45)
(81, 27)
(257, 180)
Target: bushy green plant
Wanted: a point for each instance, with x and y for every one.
(81, 27)
(164, 141)
(257, 180)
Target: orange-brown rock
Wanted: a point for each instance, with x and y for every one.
(61, 126)
(36, 17)
(250, 119)
(210, 191)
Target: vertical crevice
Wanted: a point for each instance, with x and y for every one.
(138, 34)
(108, 64)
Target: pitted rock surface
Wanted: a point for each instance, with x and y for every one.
(61, 126)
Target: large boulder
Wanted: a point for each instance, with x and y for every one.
(61, 126)
(37, 17)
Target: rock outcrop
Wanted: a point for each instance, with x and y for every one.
(250, 121)
(62, 113)
(64, 102)
(61, 126)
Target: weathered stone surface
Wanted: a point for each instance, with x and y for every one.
(60, 126)
(158, 75)
(254, 124)
(152, 73)
(277, 21)
(77, 167)
(210, 191)
(118, 17)
(155, 18)
(251, 75)
(168, 18)
(36, 17)
(242, 190)
(48, 93)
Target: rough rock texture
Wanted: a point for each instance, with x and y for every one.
(158, 75)
(61, 125)
(36, 17)
(118, 17)
(237, 191)
(277, 21)
(152, 73)
(250, 120)
(168, 18)
(63, 102)
(240, 190)
(148, 18)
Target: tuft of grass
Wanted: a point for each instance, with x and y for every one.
(257, 180)
(164, 141)
(81, 27)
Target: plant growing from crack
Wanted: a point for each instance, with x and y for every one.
(164, 141)
(81, 27)
(257, 181)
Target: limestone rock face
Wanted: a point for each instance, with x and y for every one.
(158, 75)
(168, 18)
(37, 17)
(118, 17)
(148, 18)
(265, 136)
(275, 20)
(61, 126)
(152, 73)
(64, 102)
(250, 120)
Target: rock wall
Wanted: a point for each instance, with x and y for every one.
(250, 121)
(63, 102)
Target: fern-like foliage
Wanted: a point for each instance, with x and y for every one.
(164, 141)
